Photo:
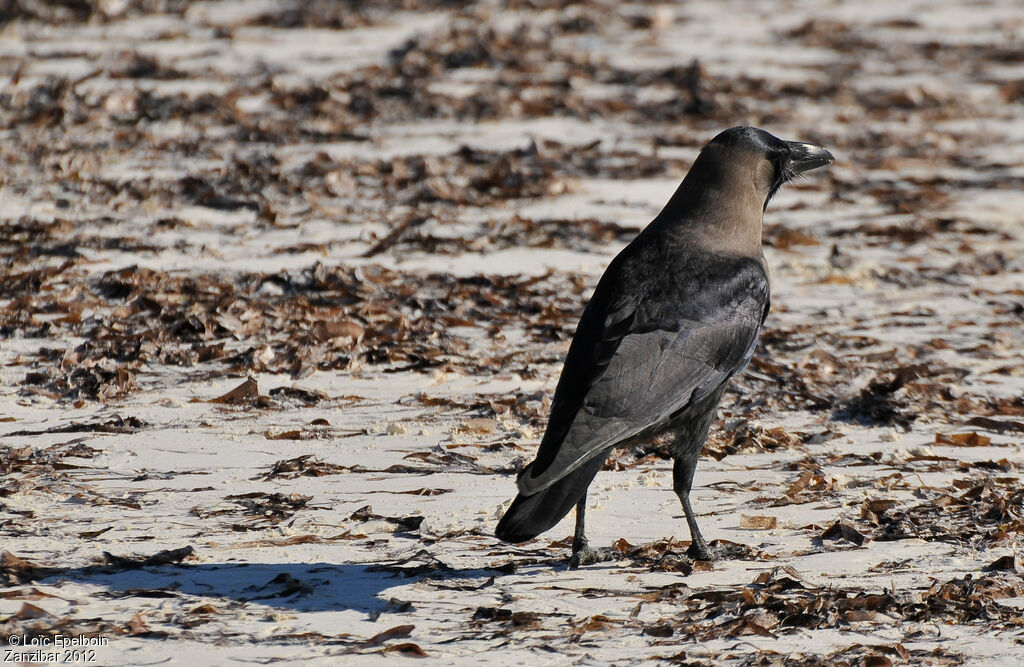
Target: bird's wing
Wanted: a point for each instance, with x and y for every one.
(641, 356)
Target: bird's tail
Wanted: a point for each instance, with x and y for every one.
(529, 516)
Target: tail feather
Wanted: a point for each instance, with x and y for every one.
(531, 515)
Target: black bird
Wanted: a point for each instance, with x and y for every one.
(674, 317)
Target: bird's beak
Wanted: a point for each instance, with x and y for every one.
(804, 157)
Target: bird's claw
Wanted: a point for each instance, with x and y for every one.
(699, 550)
(718, 550)
(588, 556)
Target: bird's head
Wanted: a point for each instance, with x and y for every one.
(753, 156)
(722, 200)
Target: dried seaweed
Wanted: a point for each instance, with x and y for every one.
(346, 212)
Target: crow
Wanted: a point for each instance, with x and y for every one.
(676, 314)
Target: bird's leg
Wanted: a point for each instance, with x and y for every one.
(582, 554)
(579, 539)
(682, 480)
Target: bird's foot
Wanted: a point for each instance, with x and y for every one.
(699, 550)
(718, 550)
(582, 554)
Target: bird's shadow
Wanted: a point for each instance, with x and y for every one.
(301, 587)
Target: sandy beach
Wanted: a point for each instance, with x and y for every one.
(285, 289)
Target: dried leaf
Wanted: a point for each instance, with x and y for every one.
(246, 390)
(1010, 562)
(407, 649)
(877, 661)
(479, 425)
(963, 439)
(621, 545)
(757, 522)
(348, 329)
(167, 557)
(842, 530)
(866, 616)
(996, 425)
(425, 492)
(661, 629)
(30, 611)
(136, 626)
(284, 435)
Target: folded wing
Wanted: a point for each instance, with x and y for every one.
(641, 357)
